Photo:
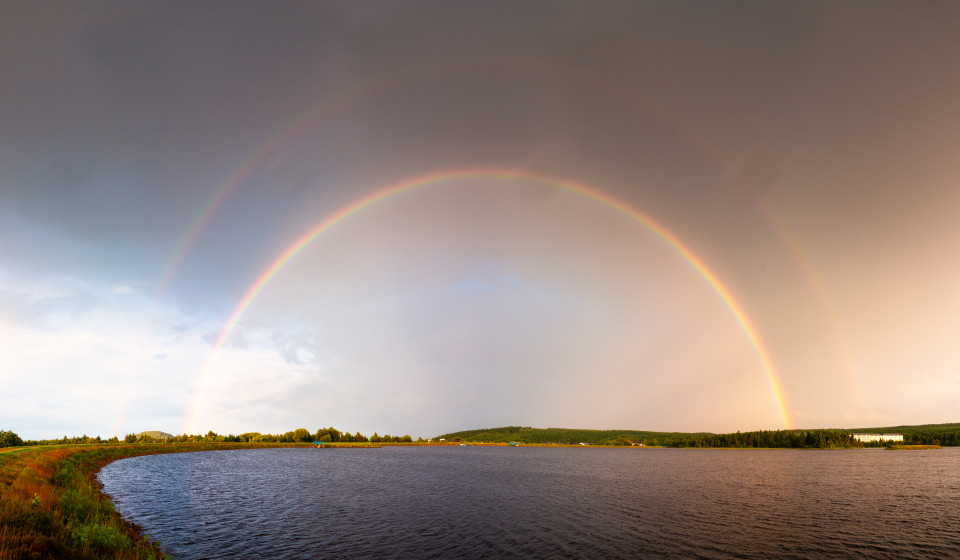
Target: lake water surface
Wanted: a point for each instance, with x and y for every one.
(473, 502)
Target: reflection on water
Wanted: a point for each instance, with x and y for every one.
(445, 502)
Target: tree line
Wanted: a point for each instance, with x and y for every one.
(784, 439)
(300, 435)
(950, 439)
(939, 434)
(325, 435)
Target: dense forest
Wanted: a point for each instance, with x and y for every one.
(935, 434)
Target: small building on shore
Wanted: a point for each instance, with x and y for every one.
(868, 438)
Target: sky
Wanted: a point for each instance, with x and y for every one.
(420, 217)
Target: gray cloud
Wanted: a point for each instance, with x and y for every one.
(803, 152)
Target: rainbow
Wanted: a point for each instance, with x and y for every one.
(803, 263)
(236, 178)
(328, 108)
(242, 172)
(345, 97)
(815, 283)
(498, 173)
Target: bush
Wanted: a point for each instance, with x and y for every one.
(75, 508)
(101, 537)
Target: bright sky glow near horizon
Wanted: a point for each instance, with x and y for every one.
(420, 217)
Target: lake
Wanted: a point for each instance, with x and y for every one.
(529, 502)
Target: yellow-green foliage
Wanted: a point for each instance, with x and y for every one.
(51, 506)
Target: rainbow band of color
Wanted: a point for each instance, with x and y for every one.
(494, 173)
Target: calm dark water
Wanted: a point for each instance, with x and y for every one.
(473, 502)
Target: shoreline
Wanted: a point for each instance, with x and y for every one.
(53, 504)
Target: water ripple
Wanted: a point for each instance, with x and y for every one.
(477, 502)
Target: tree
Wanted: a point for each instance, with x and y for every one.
(301, 434)
(331, 433)
(9, 439)
(375, 438)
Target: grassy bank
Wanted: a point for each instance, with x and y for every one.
(912, 447)
(51, 505)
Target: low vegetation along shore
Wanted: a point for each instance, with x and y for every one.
(51, 505)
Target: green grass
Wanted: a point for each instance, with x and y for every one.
(51, 505)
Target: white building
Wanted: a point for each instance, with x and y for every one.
(867, 438)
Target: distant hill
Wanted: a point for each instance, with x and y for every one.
(946, 434)
(526, 434)
(155, 434)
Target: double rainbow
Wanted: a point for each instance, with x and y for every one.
(499, 173)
